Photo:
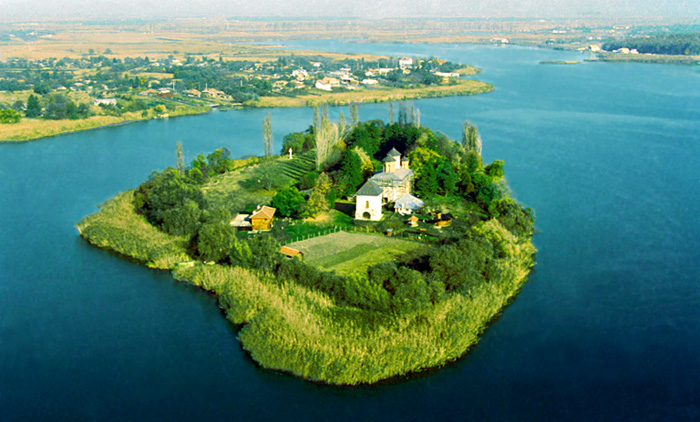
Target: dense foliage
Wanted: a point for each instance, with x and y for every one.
(362, 330)
(173, 200)
(287, 201)
(442, 167)
(59, 106)
(9, 116)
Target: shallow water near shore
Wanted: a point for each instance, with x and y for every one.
(608, 327)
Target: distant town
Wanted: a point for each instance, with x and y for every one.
(136, 88)
(118, 85)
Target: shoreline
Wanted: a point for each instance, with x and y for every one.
(124, 122)
(116, 124)
(464, 87)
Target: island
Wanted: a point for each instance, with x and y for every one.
(365, 251)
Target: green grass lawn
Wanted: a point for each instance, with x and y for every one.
(232, 190)
(228, 191)
(348, 253)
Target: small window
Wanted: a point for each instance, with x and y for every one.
(366, 204)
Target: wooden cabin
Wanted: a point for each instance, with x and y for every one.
(261, 220)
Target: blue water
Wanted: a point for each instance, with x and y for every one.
(607, 328)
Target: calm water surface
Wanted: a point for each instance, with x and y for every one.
(607, 328)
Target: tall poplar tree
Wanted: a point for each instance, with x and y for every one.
(267, 134)
(342, 124)
(180, 160)
(354, 115)
(470, 138)
(326, 137)
(317, 118)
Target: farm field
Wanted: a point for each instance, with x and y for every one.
(348, 253)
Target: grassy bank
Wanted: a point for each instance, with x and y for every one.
(118, 228)
(376, 95)
(468, 70)
(32, 129)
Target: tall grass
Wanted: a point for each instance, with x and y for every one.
(118, 228)
(291, 328)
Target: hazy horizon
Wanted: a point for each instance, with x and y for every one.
(33, 9)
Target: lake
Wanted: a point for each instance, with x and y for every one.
(607, 328)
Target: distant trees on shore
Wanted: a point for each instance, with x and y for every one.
(676, 44)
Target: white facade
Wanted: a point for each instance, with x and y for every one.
(368, 207)
(300, 74)
(405, 62)
(386, 186)
(105, 101)
(324, 86)
(447, 74)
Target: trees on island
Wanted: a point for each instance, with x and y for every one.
(327, 136)
(180, 160)
(298, 142)
(287, 201)
(468, 276)
(354, 115)
(267, 135)
(173, 200)
(470, 138)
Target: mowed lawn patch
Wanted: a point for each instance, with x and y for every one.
(348, 253)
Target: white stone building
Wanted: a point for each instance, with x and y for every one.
(386, 186)
(368, 204)
(405, 62)
(396, 179)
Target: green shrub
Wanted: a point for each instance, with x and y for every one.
(9, 116)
